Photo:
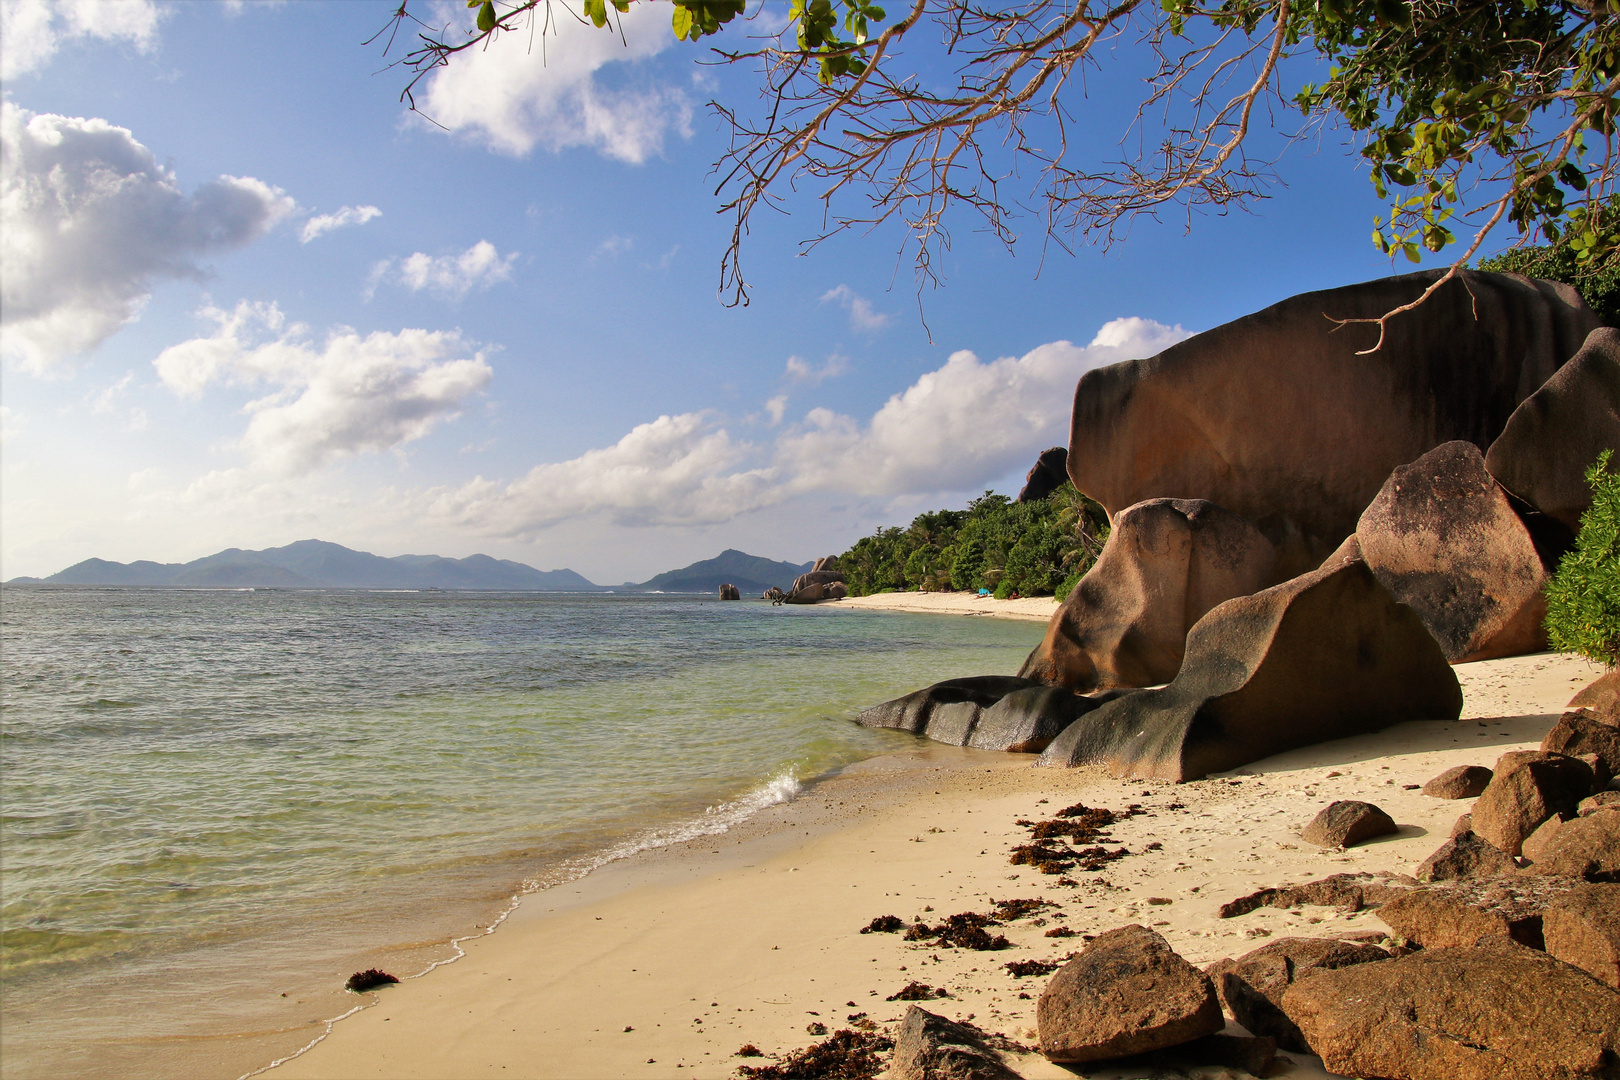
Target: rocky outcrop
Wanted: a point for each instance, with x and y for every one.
(930, 1047)
(1442, 537)
(1601, 698)
(826, 564)
(1050, 472)
(1557, 432)
(1327, 655)
(824, 582)
(1579, 733)
(987, 712)
(1586, 847)
(1347, 823)
(1582, 928)
(773, 594)
(1496, 1011)
(1465, 856)
(1320, 422)
(1529, 787)
(730, 592)
(1462, 912)
(1347, 892)
(1166, 563)
(1252, 986)
(1126, 993)
(1459, 782)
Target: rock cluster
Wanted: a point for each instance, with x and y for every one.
(823, 582)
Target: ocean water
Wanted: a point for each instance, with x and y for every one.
(215, 805)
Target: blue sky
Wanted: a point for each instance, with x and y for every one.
(250, 300)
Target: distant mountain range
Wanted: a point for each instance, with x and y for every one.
(310, 564)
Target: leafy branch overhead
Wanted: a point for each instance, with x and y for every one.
(1466, 113)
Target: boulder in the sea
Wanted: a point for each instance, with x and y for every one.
(1324, 656)
(1582, 927)
(1445, 916)
(1126, 993)
(1459, 782)
(774, 594)
(1347, 823)
(815, 592)
(1252, 986)
(1578, 733)
(1556, 433)
(1493, 1011)
(1050, 472)
(1165, 564)
(1443, 537)
(730, 592)
(1585, 847)
(1528, 788)
(1465, 856)
(931, 1047)
(1294, 420)
(988, 712)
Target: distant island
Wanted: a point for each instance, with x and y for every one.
(318, 564)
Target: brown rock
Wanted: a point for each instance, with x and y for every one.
(930, 1047)
(1529, 787)
(1253, 985)
(1166, 563)
(1459, 782)
(1557, 432)
(1603, 800)
(1347, 823)
(1126, 993)
(1496, 1011)
(1327, 655)
(1050, 472)
(1579, 733)
(1253, 1055)
(1349, 551)
(1601, 698)
(827, 564)
(1276, 417)
(988, 712)
(730, 592)
(1347, 892)
(814, 592)
(1464, 824)
(1587, 847)
(1582, 928)
(1443, 538)
(1465, 856)
(1459, 913)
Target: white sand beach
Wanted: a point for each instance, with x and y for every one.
(956, 603)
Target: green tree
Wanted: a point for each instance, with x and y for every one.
(1583, 598)
(1598, 281)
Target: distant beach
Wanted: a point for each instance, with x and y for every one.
(1039, 608)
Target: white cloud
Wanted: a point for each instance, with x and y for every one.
(861, 314)
(544, 90)
(88, 219)
(801, 371)
(776, 406)
(348, 215)
(349, 395)
(616, 245)
(451, 276)
(34, 29)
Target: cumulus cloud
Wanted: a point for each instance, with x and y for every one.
(776, 407)
(348, 215)
(450, 276)
(35, 29)
(862, 316)
(801, 371)
(521, 92)
(88, 220)
(350, 394)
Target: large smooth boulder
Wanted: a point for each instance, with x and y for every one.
(1288, 419)
(1166, 563)
(1528, 788)
(1327, 655)
(987, 712)
(1126, 993)
(815, 592)
(730, 592)
(1252, 986)
(816, 577)
(1494, 1011)
(1582, 928)
(1556, 433)
(1443, 537)
(1050, 472)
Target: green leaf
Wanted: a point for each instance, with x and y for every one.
(596, 10)
(681, 22)
(486, 17)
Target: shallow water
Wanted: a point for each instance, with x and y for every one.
(216, 804)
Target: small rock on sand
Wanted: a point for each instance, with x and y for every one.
(1460, 782)
(1346, 823)
(930, 1047)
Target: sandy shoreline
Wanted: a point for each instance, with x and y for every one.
(955, 603)
(665, 964)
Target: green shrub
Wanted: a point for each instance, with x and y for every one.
(1599, 285)
(1583, 598)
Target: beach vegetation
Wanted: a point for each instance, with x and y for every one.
(1009, 548)
(1597, 282)
(1583, 597)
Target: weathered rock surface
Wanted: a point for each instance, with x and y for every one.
(1582, 928)
(1496, 1011)
(1463, 824)
(1252, 986)
(1347, 823)
(988, 712)
(1347, 892)
(1326, 655)
(1050, 472)
(930, 1047)
(1529, 787)
(1443, 538)
(1586, 847)
(1459, 782)
(1465, 856)
(1317, 428)
(826, 564)
(1557, 432)
(816, 591)
(730, 592)
(1601, 698)
(1579, 732)
(1603, 800)
(1166, 563)
(1461, 912)
(1126, 993)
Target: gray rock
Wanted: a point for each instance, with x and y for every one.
(1050, 472)
(930, 1047)
(988, 712)
(1459, 782)
(1347, 823)
(730, 592)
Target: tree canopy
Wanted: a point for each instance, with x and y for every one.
(1468, 114)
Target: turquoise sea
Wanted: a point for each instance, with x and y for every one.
(215, 805)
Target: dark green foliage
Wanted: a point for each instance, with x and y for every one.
(1583, 598)
(1599, 285)
(1027, 549)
